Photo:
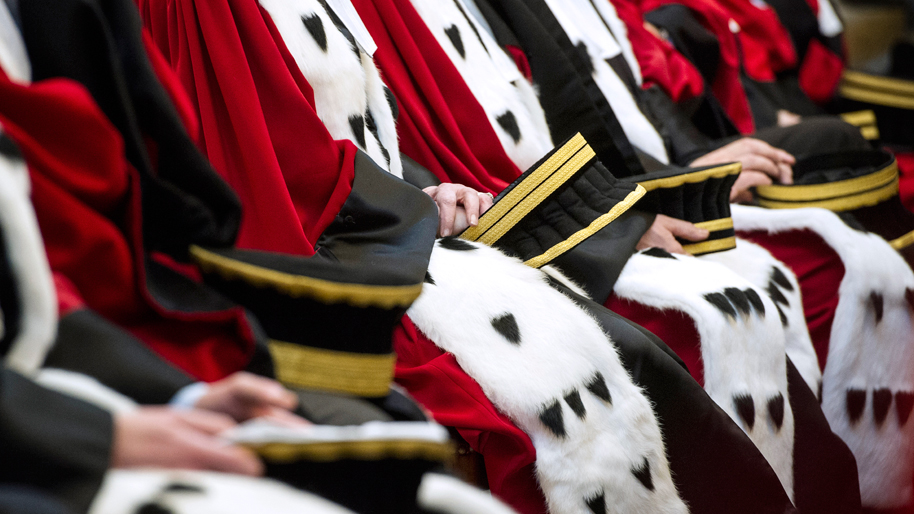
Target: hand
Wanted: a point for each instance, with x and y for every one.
(459, 207)
(741, 191)
(755, 155)
(169, 438)
(663, 233)
(787, 118)
(243, 396)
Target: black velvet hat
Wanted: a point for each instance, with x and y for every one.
(697, 195)
(863, 184)
(891, 100)
(560, 202)
(329, 323)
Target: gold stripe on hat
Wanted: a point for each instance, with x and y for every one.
(810, 192)
(900, 243)
(870, 133)
(877, 83)
(859, 118)
(715, 225)
(889, 99)
(307, 367)
(376, 449)
(327, 291)
(844, 203)
(590, 230)
(529, 184)
(714, 245)
(692, 177)
(537, 196)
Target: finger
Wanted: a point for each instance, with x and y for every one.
(758, 163)
(686, 230)
(485, 202)
(470, 201)
(253, 389)
(213, 454)
(431, 191)
(447, 209)
(746, 180)
(285, 418)
(786, 173)
(204, 421)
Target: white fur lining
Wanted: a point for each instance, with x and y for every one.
(493, 78)
(29, 265)
(219, 493)
(743, 354)
(86, 389)
(344, 79)
(756, 264)
(864, 355)
(540, 380)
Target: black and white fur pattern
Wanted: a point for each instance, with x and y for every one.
(350, 97)
(742, 343)
(584, 26)
(762, 270)
(29, 265)
(868, 381)
(509, 101)
(548, 365)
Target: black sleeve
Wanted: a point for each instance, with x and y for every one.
(89, 344)
(52, 442)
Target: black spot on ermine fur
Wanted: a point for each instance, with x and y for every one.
(856, 401)
(776, 410)
(455, 244)
(392, 102)
(909, 296)
(745, 408)
(720, 302)
(882, 400)
(782, 315)
(153, 508)
(643, 474)
(506, 325)
(9, 149)
(597, 504)
(776, 294)
(737, 298)
(597, 386)
(179, 487)
(781, 279)
(509, 123)
(357, 124)
(315, 27)
(428, 279)
(453, 33)
(878, 305)
(552, 417)
(755, 300)
(660, 253)
(573, 399)
(904, 401)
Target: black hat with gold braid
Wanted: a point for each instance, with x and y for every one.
(564, 199)
(863, 184)
(697, 195)
(329, 324)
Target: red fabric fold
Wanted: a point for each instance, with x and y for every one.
(441, 125)
(87, 201)
(259, 126)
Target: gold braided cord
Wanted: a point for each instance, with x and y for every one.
(714, 245)
(356, 450)
(844, 203)
(715, 225)
(307, 367)
(693, 177)
(832, 189)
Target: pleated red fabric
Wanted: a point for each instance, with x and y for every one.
(727, 87)
(87, 201)
(259, 127)
(441, 125)
(660, 63)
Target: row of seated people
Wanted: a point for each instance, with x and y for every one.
(516, 359)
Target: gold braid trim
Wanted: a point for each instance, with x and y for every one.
(591, 229)
(307, 367)
(715, 225)
(714, 245)
(845, 203)
(859, 118)
(356, 450)
(326, 291)
(837, 189)
(693, 177)
(903, 242)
